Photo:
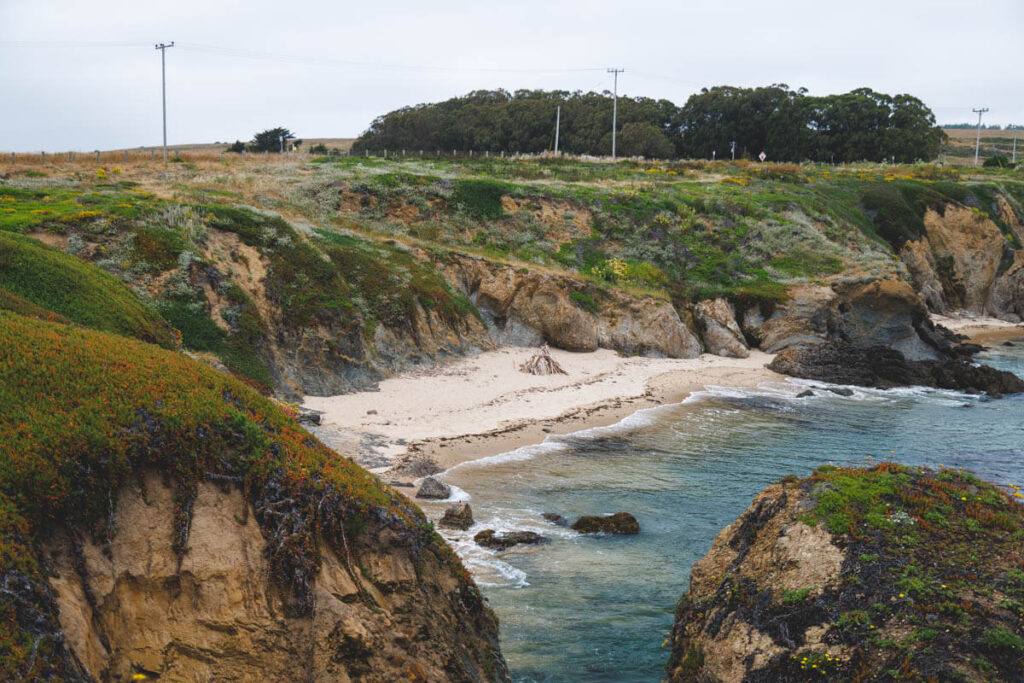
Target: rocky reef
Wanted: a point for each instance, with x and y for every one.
(884, 367)
(860, 574)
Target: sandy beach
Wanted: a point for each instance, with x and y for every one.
(483, 405)
(432, 419)
(982, 330)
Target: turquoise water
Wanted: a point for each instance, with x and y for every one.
(598, 608)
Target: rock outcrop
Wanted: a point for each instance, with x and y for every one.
(457, 516)
(133, 606)
(963, 262)
(878, 313)
(433, 489)
(165, 521)
(855, 574)
(722, 336)
(883, 367)
(489, 538)
(526, 308)
(621, 523)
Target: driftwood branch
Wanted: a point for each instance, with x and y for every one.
(541, 363)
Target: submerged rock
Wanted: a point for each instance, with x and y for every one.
(884, 368)
(433, 489)
(618, 523)
(457, 516)
(489, 538)
(805, 393)
(556, 519)
(842, 575)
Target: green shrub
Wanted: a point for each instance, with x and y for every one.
(1002, 639)
(480, 199)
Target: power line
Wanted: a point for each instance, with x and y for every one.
(330, 61)
(225, 51)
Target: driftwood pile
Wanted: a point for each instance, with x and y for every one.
(541, 363)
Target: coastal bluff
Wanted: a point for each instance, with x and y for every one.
(160, 520)
(860, 574)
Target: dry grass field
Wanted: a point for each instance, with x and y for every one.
(959, 150)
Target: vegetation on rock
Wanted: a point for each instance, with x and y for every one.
(84, 413)
(930, 587)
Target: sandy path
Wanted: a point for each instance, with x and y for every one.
(982, 330)
(483, 405)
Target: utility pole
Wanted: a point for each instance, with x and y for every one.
(558, 122)
(163, 86)
(977, 143)
(615, 107)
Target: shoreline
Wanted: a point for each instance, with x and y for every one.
(427, 421)
(982, 330)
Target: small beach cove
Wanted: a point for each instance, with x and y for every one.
(686, 462)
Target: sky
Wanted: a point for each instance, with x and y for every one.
(84, 75)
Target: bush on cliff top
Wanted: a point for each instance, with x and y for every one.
(82, 412)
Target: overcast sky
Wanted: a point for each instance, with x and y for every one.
(83, 75)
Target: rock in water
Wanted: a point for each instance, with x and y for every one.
(796, 591)
(433, 489)
(488, 538)
(457, 516)
(619, 523)
(556, 519)
(884, 368)
(805, 394)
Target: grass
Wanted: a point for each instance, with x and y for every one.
(83, 412)
(57, 209)
(76, 290)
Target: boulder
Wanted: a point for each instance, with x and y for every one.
(722, 336)
(457, 516)
(883, 313)
(556, 519)
(433, 489)
(489, 538)
(618, 523)
(802, 320)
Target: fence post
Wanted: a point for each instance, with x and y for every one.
(266, 156)
(42, 157)
(126, 155)
(69, 156)
(385, 154)
(243, 154)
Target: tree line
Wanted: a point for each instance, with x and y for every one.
(785, 124)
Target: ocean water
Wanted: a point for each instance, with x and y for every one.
(599, 608)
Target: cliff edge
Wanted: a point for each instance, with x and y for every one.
(159, 519)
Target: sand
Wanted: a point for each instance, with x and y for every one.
(483, 405)
(429, 420)
(981, 329)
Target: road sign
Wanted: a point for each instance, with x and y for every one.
(762, 156)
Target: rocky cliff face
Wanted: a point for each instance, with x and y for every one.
(964, 263)
(527, 308)
(133, 606)
(854, 575)
(160, 519)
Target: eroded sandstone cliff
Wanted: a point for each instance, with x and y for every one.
(381, 611)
